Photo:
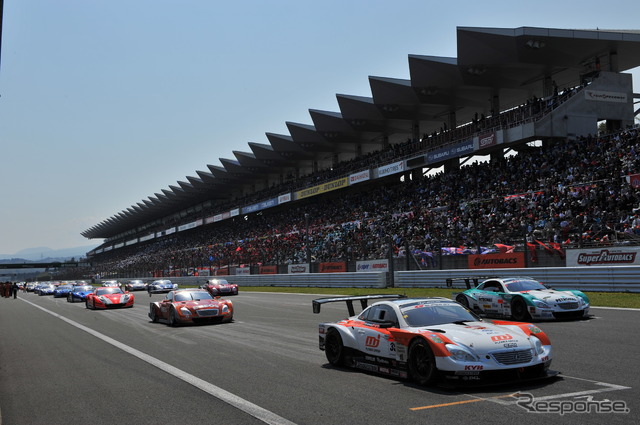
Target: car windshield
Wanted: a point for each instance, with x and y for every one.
(82, 288)
(65, 287)
(421, 314)
(192, 295)
(524, 285)
(107, 291)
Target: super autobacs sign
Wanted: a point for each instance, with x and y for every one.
(603, 257)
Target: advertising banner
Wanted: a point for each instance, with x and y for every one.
(610, 256)
(268, 269)
(372, 266)
(389, 169)
(321, 188)
(298, 268)
(453, 151)
(496, 261)
(337, 267)
(487, 140)
(605, 96)
(362, 176)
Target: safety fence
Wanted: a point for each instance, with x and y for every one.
(608, 279)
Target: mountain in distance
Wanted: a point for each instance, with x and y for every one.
(48, 254)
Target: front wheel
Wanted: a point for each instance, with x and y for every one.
(519, 310)
(463, 300)
(422, 362)
(334, 348)
(153, 315)
(86, 304)
(173, 317)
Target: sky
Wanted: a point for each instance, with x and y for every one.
(105, 102)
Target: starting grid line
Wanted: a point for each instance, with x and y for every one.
(501, 399)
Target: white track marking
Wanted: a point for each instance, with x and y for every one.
(256, 411)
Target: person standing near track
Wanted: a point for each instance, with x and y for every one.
(14, 287)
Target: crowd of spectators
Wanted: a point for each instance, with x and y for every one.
(566, 192)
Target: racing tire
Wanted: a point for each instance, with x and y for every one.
(153, 315)
(173, 319)
(519, 310)
(334, 348)
(69, 298)
(86, 304)
(463, 300)
(422, 363)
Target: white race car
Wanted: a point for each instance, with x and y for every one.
(433, 340)
(523, 298)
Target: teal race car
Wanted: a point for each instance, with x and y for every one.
(523, 299)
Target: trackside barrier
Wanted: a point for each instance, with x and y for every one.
(336, 280)
(609, 279)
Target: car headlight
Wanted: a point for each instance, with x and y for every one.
(461, 354)
(540, 304)
(225, 308)
(103, 299)
(185, 311)
(537, 344)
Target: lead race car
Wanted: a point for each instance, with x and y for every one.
(433, 340)
(524, 299)
(191, 306)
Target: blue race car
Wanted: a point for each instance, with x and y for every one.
(62, 291)
(46, 289)
(79, 292)
(161, 286)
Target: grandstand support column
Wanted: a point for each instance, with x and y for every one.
(451, 118)
(415, 131)
(495, 104)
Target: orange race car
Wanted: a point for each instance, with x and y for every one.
(108, 298)
(191, 306)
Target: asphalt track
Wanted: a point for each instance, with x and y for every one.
(63, 364)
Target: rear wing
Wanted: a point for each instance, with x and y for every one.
(472, 281)
(317, 303)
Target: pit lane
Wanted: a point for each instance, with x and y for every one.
(269, 358)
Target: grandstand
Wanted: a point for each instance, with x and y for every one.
(391, 176)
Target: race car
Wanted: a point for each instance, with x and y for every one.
(135, 285)
(220, 287)
(161, 286)
(108, 298)
(433, 341)
(524, 299)
(62, 290)
(79, 292)
(46, 289)
(191, 306)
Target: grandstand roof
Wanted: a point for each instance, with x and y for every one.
(510, 64)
